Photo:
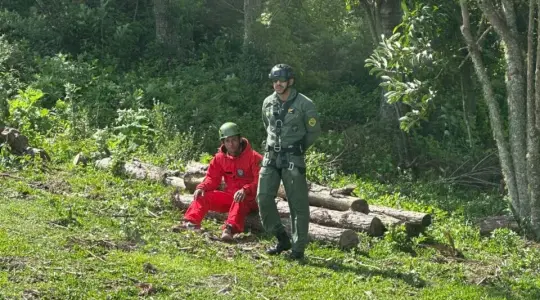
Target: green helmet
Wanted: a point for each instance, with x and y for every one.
(228, 129)
(281, 72)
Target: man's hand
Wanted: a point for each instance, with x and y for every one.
(239, 195)
(197, 193)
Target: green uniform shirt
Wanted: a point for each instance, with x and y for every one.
(301, 122)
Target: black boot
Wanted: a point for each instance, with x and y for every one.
(284, 244)
(296, 255)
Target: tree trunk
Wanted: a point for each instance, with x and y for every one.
(166, 25)
(468, 100)
(383, 16)
(349, 220)
(533, 132)
(519, 155)
(252, 9)
(516, 85)
(493, 108)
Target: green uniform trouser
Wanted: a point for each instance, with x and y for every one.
(296, 189)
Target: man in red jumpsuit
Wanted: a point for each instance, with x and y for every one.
(238, 164)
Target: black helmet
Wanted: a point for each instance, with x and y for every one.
(281, 72)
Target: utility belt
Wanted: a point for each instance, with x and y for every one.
(295, 149)
(279, 156)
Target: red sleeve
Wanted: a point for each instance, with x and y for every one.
(213, 177)
(251, 188)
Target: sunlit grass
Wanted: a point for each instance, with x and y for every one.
(80, 233)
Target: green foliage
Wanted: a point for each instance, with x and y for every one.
(28, 115)
(9, 82)
(502, 240)
(130, 131)
(398, 64)
(206, 158)
(398, 239)
(320, 168)
(94, 59)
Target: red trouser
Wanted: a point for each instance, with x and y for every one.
(221, 202)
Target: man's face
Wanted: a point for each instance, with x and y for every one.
(232, 144)
(281, 85)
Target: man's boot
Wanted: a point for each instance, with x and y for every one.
(227, 235)
(284, 244)
(296, 255)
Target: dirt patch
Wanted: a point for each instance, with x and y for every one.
(10, 263)
(101, 245)
(54, 185)
(481, 273)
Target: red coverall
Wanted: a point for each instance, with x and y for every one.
(240, 172)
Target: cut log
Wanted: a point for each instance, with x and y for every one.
(136, 169)
(410, 217)
(322, 196)
(389, 222)
(319, 196)
(175, 182)
(17, 144)
(343, 238)
(356, 221)
(346, 191)
(80, 159)
(488, 225)
(194, 175)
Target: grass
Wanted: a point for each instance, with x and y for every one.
(78, 233)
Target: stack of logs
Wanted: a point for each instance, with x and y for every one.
(336, 215)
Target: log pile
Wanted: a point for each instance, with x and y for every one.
(340, 200)
(342, 237)
(336, 214)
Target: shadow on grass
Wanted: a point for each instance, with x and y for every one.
(412, 279)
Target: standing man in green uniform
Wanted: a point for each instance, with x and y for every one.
(292, 126)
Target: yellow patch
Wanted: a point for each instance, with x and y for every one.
(312, 122)
(290, 110)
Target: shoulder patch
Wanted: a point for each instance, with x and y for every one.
(312, 122)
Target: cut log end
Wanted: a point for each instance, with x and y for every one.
(426, 220)
(376, 228)
(348, 239)
(360, 206)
